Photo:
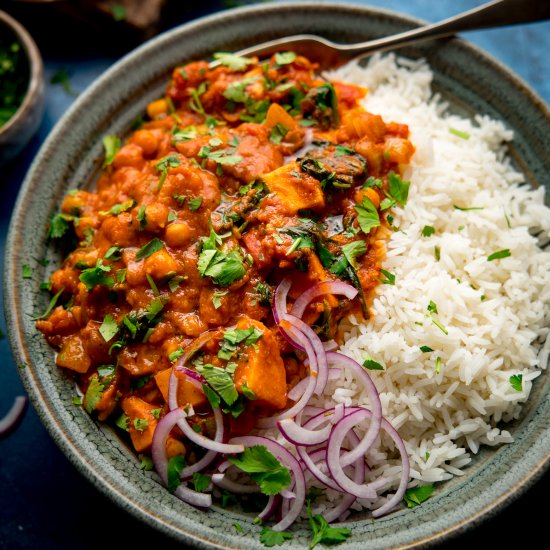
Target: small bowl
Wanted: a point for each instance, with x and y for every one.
(24, 123)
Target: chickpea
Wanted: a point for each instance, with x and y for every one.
(178, 234)
(147, 140)
(157, 108)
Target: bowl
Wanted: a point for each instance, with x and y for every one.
(469, 79)
(17, 131)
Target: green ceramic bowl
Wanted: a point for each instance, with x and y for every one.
(469, 79)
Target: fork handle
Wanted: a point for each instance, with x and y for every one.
(493, 14)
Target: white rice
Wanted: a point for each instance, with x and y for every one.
(496, 313)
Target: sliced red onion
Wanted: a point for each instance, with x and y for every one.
(271, 421)
(374, 400)
(359, 476)
(14, 415)
(189, 351)
(325, 287)
(239, 488)
(270, 507)
(330, 345)
(285, 493)
(298, 390)
(158, 452)
(205, 442)
(290, 462)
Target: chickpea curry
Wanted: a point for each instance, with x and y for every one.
(245, 173)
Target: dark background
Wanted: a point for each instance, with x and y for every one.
(44, 501)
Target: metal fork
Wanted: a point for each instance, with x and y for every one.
(329, 54)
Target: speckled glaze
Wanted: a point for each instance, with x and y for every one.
(471, 80)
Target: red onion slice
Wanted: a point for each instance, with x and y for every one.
(239, 488)
(14, 415)
(299, 488)
(374, 401)
(298, 390)
(160, 460)
(270, 507)
(271, 421)
(325, 287)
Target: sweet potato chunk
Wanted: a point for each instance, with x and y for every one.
(187, 393)
(142, 422)
(262, 369)
(294, 189)
(73, 355)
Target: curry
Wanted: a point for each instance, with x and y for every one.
(245, 173)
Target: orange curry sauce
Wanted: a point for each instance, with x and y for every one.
(246, 172)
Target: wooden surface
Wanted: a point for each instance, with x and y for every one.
(44, 501)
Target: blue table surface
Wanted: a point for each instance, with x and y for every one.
(44, 501)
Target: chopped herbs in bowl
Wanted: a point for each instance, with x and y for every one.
(21, 87)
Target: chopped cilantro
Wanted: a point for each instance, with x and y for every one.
(278, 133)
(370, 364)
(389, 278)
(231, 61)
(516, 381)
(147, 464)
(201, 481)
(118, 208)
(438, 365)
(247, 392)
(354, 250)
(284, 58)
(437, 253)
(26, 271)
(262, 466)
(221, 381)
(341, 150)
(175, 466)
(114, 253)
(140, 424)
(195, 204)
(176, 354)
(212, 396)
(150, 248)
(111, 144)
(163, 165)
(498, 255)
(367, 217)
(217, 298)
(466, 209)
(94, 276)
(51, 305)
(459, 133)
(152, 284)
(108, 328)
(417, 495)
(397, 193)
(323, 533)
(425, 349)
(270, 538)
(59, 225)
(428, 231)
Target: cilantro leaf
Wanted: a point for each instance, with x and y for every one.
(263, 468)
(516, 381)
(108, 327)
(389, 278)
(270, 538)
(428, 231)
(94, 276)
(498, 255)
(231, 61)
(398, 189)
(370, 364)
(111, 144)
(201, 481)
(278, 133)
(195, 204)
(354, 250)
(323, 533)
(51, 305)
(425, 349)
(284, 58)
(212, 396)
(59, 225)
(175, 466)
(221, 381)
(368, 216)
(118, 208)
(140, 424)
(417, 495)
(150, 248)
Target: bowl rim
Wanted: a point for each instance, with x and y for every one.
(36, 66)
(62, 439)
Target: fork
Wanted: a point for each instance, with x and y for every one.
(329, 54)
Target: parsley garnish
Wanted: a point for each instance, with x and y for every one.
(163, 165)
(262, 466)
(354, 250)
(428, 231)
(59, 225)
(417, 495)
(425, 349)
(270, 538)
